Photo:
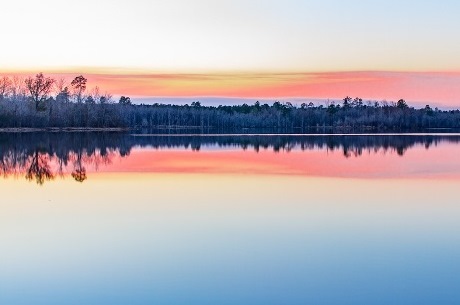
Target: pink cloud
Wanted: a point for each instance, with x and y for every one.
(431, 87)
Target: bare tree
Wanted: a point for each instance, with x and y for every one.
(62, 90)
(60, 85)
(17, 87)
(63, 96)
(5, 87)
(39, 88)
(96, 94)
(107, 98)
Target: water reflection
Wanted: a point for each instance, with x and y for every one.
(42, 157)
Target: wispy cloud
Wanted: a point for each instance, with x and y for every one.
(441, 88)
(437, 87)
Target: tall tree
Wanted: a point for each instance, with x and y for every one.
(79, 85)
(39, 88)
(18, 88)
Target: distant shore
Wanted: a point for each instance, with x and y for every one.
(236, 132)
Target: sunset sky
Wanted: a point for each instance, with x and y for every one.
(242, 49)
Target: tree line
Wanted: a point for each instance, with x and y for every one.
(44, 102)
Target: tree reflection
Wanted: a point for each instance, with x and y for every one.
(39, 168)
(42, 157)
(79, 172)
(42, 166)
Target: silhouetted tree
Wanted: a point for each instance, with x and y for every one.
(401, 104)
(347, 102)
(124, 100)
(90, 100)
(357, 102)
(63, 96)
(429, 110)
(79, 85)
(5, 86)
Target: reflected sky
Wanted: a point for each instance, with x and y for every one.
(43, 157)
(161, 225)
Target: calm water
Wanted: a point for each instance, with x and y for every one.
(121, 219)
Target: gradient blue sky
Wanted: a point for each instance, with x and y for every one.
(140, 37)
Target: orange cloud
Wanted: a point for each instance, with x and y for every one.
(431, 87)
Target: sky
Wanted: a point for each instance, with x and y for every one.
(246, 49)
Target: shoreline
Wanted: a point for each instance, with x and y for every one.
(64, 129)
(257, 131)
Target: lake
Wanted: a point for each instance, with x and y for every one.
(114, 218)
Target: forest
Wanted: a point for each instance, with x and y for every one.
(46, 103)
